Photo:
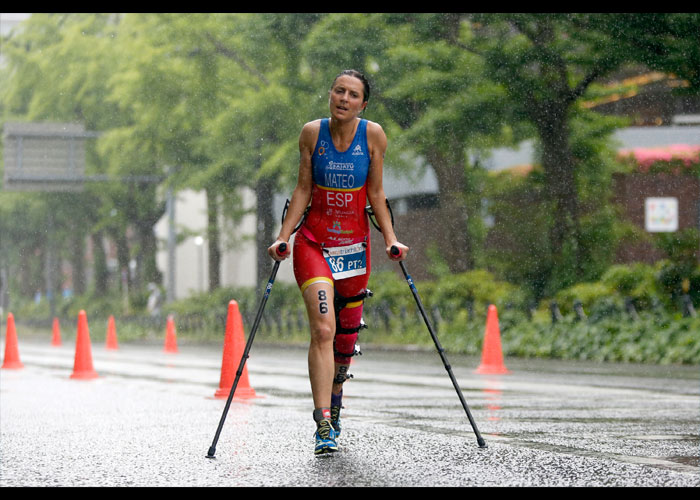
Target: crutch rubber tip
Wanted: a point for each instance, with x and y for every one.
(482, 443)
(210, 453)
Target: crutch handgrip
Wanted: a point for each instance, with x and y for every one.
(282, 249)
(396, 251)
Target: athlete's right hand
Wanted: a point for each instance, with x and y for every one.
(279, 250)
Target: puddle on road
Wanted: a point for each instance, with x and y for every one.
(676, 463)
(666, 437)
(692, 461)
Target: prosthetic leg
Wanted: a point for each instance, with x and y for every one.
(348, 320)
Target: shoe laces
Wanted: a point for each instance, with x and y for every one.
(335, 413)
(324, 429)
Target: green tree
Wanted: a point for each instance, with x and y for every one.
(254, 133)
(56, 70)
(431, 96)
(666, 42)
(546, 62)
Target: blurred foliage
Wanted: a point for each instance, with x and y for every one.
(456, 306)
(215, 102)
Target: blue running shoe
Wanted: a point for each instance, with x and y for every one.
(325, 438)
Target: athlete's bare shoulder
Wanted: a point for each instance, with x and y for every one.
(374, 127)
(376, 137)
(309, 134)
(311, 128)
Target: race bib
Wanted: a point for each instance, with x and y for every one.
(347, 261)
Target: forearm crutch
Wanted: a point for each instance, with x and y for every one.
(249, 343)
(281, 250)
(482, 444)
(397, 252)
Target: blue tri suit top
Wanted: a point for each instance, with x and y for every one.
(339, 194)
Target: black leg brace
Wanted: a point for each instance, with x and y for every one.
(348, 346)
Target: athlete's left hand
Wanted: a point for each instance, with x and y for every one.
(403, 251)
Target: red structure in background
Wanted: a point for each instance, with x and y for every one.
(669, 171)
(646, 157)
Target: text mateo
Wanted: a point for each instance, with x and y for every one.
(339, 180)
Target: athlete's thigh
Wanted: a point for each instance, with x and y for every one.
(318, 299)
(309, 264)
(350, 287)
(315, 281)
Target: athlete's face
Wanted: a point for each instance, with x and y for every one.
(346, 97)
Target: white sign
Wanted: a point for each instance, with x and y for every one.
(661, 215)
(41, 156)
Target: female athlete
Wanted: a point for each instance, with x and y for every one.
(340, 170)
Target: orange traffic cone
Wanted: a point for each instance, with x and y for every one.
(56, 333)
(170, 336)
(82, 366)
(234, 346)
(111, 342)
(11, 361)
(492, 355)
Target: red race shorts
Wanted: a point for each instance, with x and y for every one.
(311, 267)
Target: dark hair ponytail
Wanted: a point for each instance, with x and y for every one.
(359, 76)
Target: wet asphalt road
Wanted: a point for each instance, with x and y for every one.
(150, 417)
